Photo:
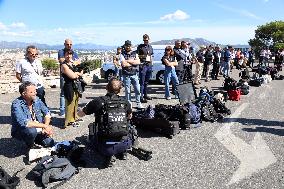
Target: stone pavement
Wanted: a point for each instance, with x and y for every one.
(192, 159)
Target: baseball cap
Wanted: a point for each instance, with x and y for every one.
(127, 43)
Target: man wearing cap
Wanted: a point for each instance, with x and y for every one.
(61, 59)
(130, 67)
(145, 53)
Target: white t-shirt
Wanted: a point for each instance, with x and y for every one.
(30, 71)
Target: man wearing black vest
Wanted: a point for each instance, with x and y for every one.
(112, 136)
(145, 52)
(130, 66)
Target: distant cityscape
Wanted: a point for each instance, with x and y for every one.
(12, 51)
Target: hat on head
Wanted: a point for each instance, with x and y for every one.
(127, 43)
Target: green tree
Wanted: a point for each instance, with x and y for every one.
(269, 35)
(50, 64)
(90, 65)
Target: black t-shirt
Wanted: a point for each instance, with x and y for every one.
(144, 49)
(95, 106)
(170, 59)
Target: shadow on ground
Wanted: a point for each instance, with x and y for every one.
(11, 148)
(259, 122)
(5, 120)
(279, 132)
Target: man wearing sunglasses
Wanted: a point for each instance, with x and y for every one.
(30, 69)
(61, 59)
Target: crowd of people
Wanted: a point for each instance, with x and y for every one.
(31, 116)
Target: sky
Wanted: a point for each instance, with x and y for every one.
(111, 22)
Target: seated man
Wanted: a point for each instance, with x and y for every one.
(112, 131)
(31, 118)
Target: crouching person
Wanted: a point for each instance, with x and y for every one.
(31, 118)
(111, 133)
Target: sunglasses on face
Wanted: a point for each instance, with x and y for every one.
(33, 54)
(168, 49)
(68, 44)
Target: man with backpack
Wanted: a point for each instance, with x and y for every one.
(111, 131)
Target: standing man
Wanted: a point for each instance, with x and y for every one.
(30, 69)
(199, 65)
(130, 67)
(181, 59)
(61, 59)
(216, 63)
(145, 53)
(117, 63)
(209, 57)
(227, 60)
(251, 57)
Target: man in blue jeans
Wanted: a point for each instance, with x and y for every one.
(145, 53)
(31, 118)
(130, 67)
(61, 59)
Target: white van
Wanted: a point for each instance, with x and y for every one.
(107, 69)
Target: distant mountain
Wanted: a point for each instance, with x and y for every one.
(80, 46)
(194, 42)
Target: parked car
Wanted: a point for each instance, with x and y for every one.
(107, 69)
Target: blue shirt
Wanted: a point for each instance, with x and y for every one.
(21, 114)
(61, 54)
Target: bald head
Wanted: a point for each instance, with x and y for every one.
(68, 44)
(114, 86)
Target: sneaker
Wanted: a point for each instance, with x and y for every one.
(122, 156)
(109, 161)
(147, 97)
(140, 106)
(79, 120)
(73, 124)
(168, 98)
(143, 100)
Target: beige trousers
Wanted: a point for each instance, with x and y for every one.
(198, 72)
(71, 109)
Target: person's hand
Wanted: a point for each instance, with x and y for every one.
(47, 130)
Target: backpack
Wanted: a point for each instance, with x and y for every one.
(230, 84)
(113, 118)
(68, 149)
(208, 112)
(220, 107)
(53, 168)
(7, 181)
(194, 113)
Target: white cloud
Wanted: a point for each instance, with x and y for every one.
(178, 15)
(242, 12)
(3, 26)
(18, 25)
(60, 29)
(18, 34)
